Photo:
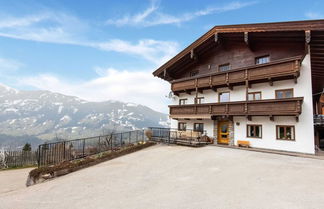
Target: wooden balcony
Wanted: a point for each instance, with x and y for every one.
(269, 107)
(277, 70)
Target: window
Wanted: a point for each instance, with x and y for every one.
(254, 131)
(182, 101)
(193, 73)
(285, 132)
(182, 126)
(284, 93)
(224, 97)
(262, 60)
(224, 67)
(254, 96)
(199, 127)
(199, 100)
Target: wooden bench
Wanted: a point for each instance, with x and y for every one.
(242, 143)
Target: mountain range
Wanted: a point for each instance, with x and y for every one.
(46, 115)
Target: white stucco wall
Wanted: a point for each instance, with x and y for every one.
(304, 129)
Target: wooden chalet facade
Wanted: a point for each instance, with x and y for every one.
(259, 83)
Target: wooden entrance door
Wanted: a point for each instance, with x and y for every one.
(223, 132)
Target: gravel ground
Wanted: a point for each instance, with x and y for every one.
(181, 177)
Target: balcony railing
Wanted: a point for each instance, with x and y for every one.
(269, 107)
(276, 70)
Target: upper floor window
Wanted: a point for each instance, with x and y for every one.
(224, 67)
(194, 73)
(284, 93)
(285, 132)
(182, 101)
(254, 131)
(224, 97)
(262, 60)
(199, 127)
(182, 126)
(199, 100)
(254, 95)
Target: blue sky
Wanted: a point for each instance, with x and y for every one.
(101, 50)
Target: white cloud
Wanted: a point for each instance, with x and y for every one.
(155, 51)
(9, 65)
(314, 15)
(61, 28)
(124, 85)
(153, 16)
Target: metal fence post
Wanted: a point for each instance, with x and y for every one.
(121, 139)
(38, 160)
(99, 145)
(64, 150)
(83, 147)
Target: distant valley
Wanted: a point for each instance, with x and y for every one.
(35, 116)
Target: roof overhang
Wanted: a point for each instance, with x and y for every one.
(310, 31)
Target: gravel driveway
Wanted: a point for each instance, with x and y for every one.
(181, 177)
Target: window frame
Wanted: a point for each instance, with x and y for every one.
(286, 126)
(253, 125)
(254, 93)
(229, 96)
(199, 98)
(222, 65)
(185, 126)
(185, 101)
(260, 57)
(194, 127)
(284, 90)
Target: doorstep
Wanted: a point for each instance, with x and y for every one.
(271, 151)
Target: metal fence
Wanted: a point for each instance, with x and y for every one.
(57, 152)
(12, 159)
(169, 135)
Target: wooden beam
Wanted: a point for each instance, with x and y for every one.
(214, 88)
(247, 84)
(297, 118)
(216, 37)
(249, 117)
(230, 86)
(307, 36)
(270, 81)
(188, 92)
(271, 117)
(199, 90)
(176, 93)
(295, 79)
(192, 54)
(246, 38)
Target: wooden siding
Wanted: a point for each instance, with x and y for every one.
(277, 70)
(239, 55)
(263, 28)
(270, 107)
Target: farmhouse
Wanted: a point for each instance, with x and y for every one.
(260, 84)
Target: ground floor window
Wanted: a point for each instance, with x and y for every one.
(199, 127)
(182, 126)
(254, 131)
(285, 132)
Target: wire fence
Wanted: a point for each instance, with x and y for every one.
(57, 152)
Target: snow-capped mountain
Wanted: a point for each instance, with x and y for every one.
(48, 115)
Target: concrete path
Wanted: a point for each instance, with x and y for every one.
(13, 179)
(182, 177)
